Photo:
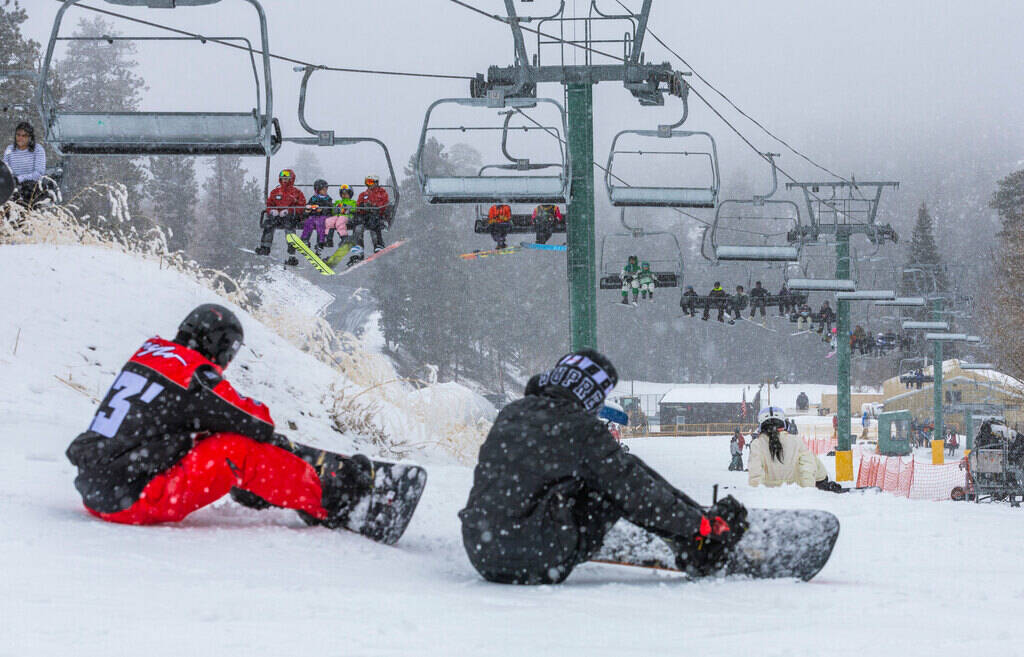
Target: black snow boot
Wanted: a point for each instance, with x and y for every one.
(292, 260)
(262, 250)
(344, 482)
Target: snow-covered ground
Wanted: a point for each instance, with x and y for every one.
(907, 578)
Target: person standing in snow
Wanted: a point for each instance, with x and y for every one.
(551, 481)
(736, 450)
(778, 458)
(172, 436)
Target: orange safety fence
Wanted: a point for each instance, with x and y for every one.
(821, 446)
(907, 477)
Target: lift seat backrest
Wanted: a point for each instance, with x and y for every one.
(157, 133)
(664, 279)
(676, 197)
(495, 189)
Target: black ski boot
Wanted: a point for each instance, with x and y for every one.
(262, 250)
(292, 260)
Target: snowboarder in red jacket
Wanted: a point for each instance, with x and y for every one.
(285, 207)
(371, 214)
(172, 436)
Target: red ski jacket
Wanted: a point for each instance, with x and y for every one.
(286, 195)
(376, 196)
(165, 398)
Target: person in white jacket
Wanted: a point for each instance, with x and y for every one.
(782, 458)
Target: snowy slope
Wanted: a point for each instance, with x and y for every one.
(907, 578)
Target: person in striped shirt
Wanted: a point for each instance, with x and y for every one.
(26, 158)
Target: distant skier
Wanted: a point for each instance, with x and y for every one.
(688, 302)
(545, 216)
(758, 300)
(736, 450)
(629, 275)
(647, 281)
(499, 224)
(786, 304)
(738, 302)
(551, 481)
(826, 316)
(172, 436)
(781, 458)
(804, 315)
(717, 298)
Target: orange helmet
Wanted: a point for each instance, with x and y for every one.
(372, 180)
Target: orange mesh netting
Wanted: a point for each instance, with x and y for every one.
(910, 478)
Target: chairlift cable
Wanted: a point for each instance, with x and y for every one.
(323, 67)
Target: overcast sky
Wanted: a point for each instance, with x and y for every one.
(904, 89)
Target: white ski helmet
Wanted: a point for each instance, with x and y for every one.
(771, 415)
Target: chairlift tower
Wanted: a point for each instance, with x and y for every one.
(840, 209)
(647, 82)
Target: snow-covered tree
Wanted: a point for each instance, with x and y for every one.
(172, 189)
(229, 214)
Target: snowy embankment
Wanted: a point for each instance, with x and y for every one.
(907, 578)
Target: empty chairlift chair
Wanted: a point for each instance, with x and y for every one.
(251, 132)
(621, 191)
(759, 229)
(519, 180)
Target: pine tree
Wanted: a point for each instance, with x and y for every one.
(923, 272)
(229, 215)
(172, 189)
(1005, 308)
(99, 76)
(16, 54)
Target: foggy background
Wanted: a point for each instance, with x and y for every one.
(926, 93)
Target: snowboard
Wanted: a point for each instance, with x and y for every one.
(384, 513)
(7, 183)
(473, 255)
(542, 247)
(370, 258)
(780, 544)
(309, 254)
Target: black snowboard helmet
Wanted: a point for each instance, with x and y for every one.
(213, 331)
(587, 373)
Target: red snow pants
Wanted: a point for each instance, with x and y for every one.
(212, 468)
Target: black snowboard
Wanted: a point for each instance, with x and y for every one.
(780, 544)
(7, 184)
(386, 511)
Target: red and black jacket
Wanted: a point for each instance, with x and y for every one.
(164, 399)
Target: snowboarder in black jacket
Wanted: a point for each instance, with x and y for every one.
(172, 435)
(551, 481)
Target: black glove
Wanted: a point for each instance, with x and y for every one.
(721, 528)
(829, 486)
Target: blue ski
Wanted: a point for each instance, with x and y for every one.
(542, 247)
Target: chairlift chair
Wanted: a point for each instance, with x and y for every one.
(915, 370)
(668, 272)
(623, 194)
(252, 132)
(522, 222)
(732, 227)
(552, 186)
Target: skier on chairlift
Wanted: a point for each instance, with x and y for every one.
(758, 299)
(629, 275)
(717, 298)
(371, 214)
(545, 216)
(688, 302)
(647, 281)
(499, 224)
(285, 207)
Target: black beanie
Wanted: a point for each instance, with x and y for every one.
(587, 373)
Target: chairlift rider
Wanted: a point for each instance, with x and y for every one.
(499, 224)
(758, 299)
(646, 280)
(688, 302)
(545, 216)
(718, 298)
(629, 279)
(285, 207)
(738, 302)
(371, 214)
(27, 161)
